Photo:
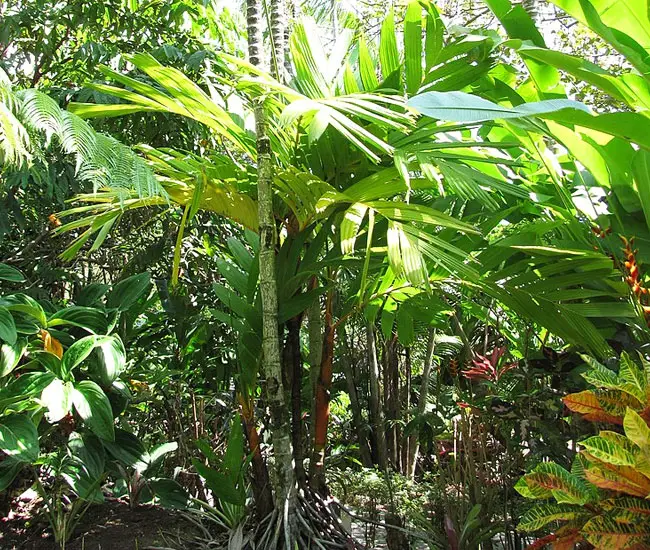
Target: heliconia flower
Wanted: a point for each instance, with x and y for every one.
(486, 368)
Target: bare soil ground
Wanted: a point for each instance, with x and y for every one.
(109, 526)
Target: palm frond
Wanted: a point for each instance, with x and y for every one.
(99, 158)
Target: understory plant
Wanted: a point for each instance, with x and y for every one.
(61, 390)
(225, 479)
(603, 499)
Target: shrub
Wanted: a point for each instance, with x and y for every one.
(602, 500)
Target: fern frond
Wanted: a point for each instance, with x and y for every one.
(14, 139)
(99, 158)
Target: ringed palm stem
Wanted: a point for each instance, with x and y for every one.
(285, 497)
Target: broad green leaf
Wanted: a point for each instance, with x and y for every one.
(222, 486)
(7, 327)
(299, 303)
(240, 253)
(630, 127)
(349, 228)
(520, 25)
(236, 278)
(413, 46)
(128, 449)
(19, 438)
(622, 23)
(622, 479)
(606, 532)
(9, 469)
(238, 305)
(24, 387)
(84, 469)
(206, 448)
(125, 293)
(636, 505)
(112, 359)
(57, 399)
(633, 377)
(405, 326)
(434, 35)
(10, 356)
(532, 491)
(94, 110)
(367, 67)
(91, 319)
(388, 53)
(641, 171)
(564, 486)
(234, 457)
(81, 349)
(157, 454)
(27, 305)
(169, 493)
(309, 60)
(599, 375)
(91, 294)
(628, 88)
(463, 107)
(93, 407)
(350, 84)
(11, 274)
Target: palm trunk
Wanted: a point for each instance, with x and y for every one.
(261, 487)
(376, 411)
(391, 400)
(294, 367)
(357, 419)
(278, 28)
(271, 357)
(322, 411)
(414, 440)
(315, 334)
(406, 407)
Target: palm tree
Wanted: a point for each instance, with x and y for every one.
(271, 360)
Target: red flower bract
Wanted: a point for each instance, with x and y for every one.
(486, 368)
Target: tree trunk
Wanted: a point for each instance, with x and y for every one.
(391, 400)
(315, 336)
(278, 29)
(406, 407)
(414, 439)
(294, 367)
(376, 410)
(261, 487)
(322, 411)
(395, 538)
(271, 357)
(357, 419)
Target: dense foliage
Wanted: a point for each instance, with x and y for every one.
(352, 285)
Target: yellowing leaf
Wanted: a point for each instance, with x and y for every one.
(587, 404)
(51, 344)
(624, 479)
(636, 429)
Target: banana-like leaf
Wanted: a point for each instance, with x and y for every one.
(463, 107)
